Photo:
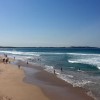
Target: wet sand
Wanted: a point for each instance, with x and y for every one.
(12, 86)
(53, 87)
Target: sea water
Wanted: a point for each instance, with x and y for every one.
(80, 66)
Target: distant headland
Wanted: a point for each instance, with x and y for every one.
(73, 47)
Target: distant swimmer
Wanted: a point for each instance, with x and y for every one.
(79, 69)
(54, 71)
(61, 69)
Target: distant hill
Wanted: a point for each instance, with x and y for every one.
(83, 47)
(75, 47)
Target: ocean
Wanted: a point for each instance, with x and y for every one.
(80, 66)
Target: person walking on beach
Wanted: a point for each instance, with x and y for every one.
(19, 66)
(3, 60)
(7, 60)
(27, 62)
(5, 55)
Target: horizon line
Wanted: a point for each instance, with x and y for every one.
(48, 47)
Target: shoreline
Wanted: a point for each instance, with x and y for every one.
(31, 81)
(54, 88)
(12, 86)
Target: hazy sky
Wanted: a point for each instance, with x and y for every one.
(50, 23)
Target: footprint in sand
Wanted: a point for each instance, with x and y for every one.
(5, 98)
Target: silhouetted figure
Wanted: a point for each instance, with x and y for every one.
(27, 62)
(5, 55)
(7, 60)
(4, 60)
(54, 71)
(61, 69)
(79, 69)
(19, 66)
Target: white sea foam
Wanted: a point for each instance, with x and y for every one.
(54, 53)
(21, 53)
(70, 77)
(14, 52)
(91, 59)
(98, 67)
(72, 61)
(49, 68)
(11, 52)
(81, 83)
(89, 93)
(83, 54)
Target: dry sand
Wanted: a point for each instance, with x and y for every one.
(12, 86)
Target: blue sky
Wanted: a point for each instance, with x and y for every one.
(50, 23)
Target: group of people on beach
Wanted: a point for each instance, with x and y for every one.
(5, 59)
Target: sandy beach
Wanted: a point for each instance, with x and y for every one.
(49, 50)
(43, 85)
(12, 86)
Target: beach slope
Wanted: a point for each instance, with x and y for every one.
(12, 86)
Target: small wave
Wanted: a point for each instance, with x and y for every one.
(21, 53)
(70, 79)
(89, 61)
(51, 53)
(81, 83)
(49, 68)
(84, 54)
(76, 82)
(98, 67)
(11, 52)
(72, 61)
(31, 53)
(89, 93)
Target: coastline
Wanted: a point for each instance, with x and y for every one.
(19, 84)
(54, 88)
(12, 86)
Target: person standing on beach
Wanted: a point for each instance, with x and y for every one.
(5, 55)
(3, 60)
(7, 60)
(27, 62)
(19, 66)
